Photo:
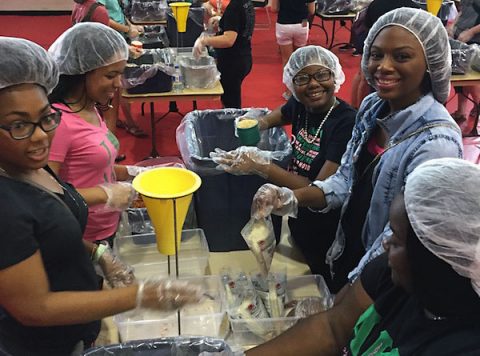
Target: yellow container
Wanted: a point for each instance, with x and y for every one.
(160, 189)
(180, 12)
(433, 6)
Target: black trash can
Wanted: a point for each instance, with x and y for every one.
(168, 346)
(223, 202)
(144, 75)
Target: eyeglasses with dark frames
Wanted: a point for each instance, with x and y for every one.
(304, 78)
(21, 129)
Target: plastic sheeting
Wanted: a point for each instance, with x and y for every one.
(170, 346)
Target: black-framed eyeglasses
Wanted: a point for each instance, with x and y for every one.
(20, 129)
(304, 78)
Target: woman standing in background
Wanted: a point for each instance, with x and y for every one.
(292, 28)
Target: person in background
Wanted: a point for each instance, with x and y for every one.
(401, 125)
(422, 297)
(215, 7)
(292, 27)
(118, 21)
(50, 302)
(321, 127)
(91, 58)
(233, 48)
(466, 28)
(89, 11)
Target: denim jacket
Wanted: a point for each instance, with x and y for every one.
(393, 167)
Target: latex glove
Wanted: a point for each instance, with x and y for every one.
(119, 195)
(213, 23)
(198, 47)
(117, 273)
(133, 32)
(140, 29)
(270, 199)
(243, 160)
(166, 294)
(134, 52)
(136, 170)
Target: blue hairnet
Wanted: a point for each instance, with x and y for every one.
(432, 36)
(88, 46)
(23, 61)
(308, 56)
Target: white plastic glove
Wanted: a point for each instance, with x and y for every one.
(270, 199)
(134, 52)
(136, 170)
(117, 273)
(198, 47)
(213, 23)
(119, 195)
(167, 294)
(133, 32)
(242, 161)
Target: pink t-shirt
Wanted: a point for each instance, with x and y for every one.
(87, 156)
(100, 14)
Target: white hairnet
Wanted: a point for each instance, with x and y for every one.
(23, 61)
(88, 46)
(433, 37)
(442, 199)
(308, 56)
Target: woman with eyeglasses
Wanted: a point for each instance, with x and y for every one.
(50, 302)
(401, 125)
(321, 127)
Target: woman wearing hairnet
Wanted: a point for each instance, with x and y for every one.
(91, 58)
(400, 126)
(421, 297)
(321, 127)
(49, 298)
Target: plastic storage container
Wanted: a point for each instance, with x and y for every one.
(199, 73)
(169, 346)
(154, 37)
(252, 332)
(144, 76)
(149, 11)
(140, 252)
(195, 28)
(223, 202)
(207, 318)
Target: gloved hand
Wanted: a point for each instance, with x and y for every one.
(136, 170)
(270, 199)
(199, 46)
(133, 32)
(134, 52)
(243, 160)
(117, 273)
(167, 294)
(213, 23)
(119, 195)
(140, 28)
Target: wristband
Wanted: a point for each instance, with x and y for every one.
(99, 252)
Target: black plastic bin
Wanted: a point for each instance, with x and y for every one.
(195, 28)
(169, 346)
(142, 76)
(223, 202)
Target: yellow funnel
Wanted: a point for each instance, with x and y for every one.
(159, 188)
(180, 12)
(433, 6)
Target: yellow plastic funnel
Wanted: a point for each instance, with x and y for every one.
(433, 6)
(180, 12)
(159, 188)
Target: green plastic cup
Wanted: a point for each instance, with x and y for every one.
(248, 132)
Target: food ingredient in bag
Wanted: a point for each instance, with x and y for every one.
(260, 238)
(250, 309)
(137, 44)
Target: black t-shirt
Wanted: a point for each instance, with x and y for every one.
(314, 232)
(292, 11)
(397, 325)
(239, 16)
(32, 220)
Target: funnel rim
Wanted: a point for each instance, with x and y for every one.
(191, 190)
(179, 4)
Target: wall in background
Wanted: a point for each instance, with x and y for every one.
(36, 5)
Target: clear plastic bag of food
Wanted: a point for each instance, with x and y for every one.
(260, 239)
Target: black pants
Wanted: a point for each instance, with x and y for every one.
(233, 72)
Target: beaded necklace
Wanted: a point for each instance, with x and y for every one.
(321, 124)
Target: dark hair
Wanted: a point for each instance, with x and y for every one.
(66, 85)
(437, 286)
